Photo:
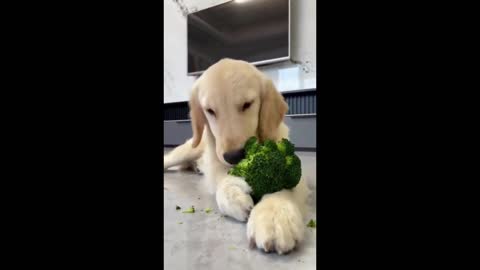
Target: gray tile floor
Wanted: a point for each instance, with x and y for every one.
(212, 242)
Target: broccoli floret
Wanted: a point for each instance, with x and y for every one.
(251, 146)
(268, 167)
(293, 171)
(270, 145)
(286, 147)
(242, 167)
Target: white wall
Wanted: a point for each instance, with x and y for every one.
(287, 76)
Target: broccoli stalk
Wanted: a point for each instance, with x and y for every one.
(268, 167)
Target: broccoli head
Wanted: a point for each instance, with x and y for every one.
(268, 167)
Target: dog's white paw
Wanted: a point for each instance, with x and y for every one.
(275, 225)
(233, 198)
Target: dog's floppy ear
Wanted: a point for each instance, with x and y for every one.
(272, 110)
(197, 115)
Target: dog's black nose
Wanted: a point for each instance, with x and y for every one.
(233, 157)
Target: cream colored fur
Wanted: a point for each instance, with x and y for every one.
(277, 222)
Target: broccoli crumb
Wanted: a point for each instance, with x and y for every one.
(208, 210)
(190, 210)
(180, 222)
(232, 248)
(178, 207)
(312, 224)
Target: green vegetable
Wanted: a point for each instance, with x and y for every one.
(180, 222)
(208, 210)
(189, 210)
(312, 224)
(269, 167)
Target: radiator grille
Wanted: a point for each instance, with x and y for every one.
(300, 102)
(304, 102)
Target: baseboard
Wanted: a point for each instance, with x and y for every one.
(302, 131)
(305, 149)
(299, 102)
(170, 145)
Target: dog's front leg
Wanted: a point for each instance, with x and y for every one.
(276, 222)
(233, 197)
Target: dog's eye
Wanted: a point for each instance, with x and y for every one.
(210, 111)
(246, 105)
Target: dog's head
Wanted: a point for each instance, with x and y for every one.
(235, 101)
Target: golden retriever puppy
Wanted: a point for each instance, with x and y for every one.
(231, 102)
